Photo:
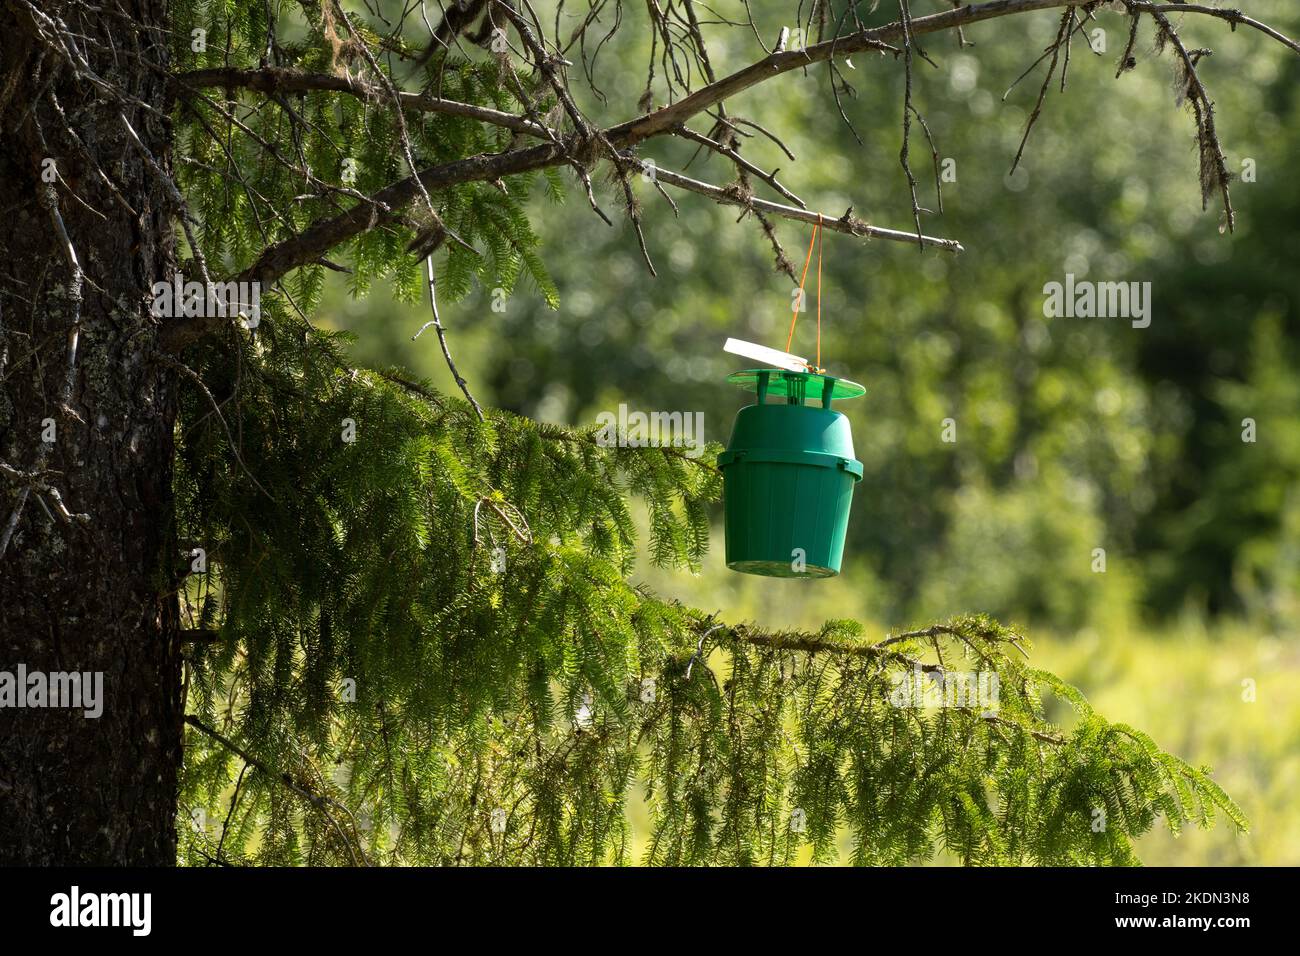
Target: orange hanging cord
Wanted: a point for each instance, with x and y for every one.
(815, 241)
(817, 234)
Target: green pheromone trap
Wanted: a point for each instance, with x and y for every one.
(788, 472)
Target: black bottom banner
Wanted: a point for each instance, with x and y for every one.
(224, 906)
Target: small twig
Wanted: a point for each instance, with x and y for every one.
(1061, 36)
(1213, 164)
(197, 379)
(436, 322)
(317, 800)
(182, 207)
(200, 636)
(729, 152)
(905, 12)
(51, 203)
(699, 650)
(507, 512)
(1126, 59)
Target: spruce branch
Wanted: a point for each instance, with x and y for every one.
(523, 690)
(278, 79)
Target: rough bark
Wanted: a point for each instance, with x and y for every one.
(96, 595)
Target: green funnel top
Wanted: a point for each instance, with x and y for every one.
(795, 387)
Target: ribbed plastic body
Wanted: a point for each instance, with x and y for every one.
(788, 476)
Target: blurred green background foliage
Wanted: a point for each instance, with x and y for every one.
(1072, 434)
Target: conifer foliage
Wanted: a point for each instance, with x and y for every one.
(411, 633)
(405, 669)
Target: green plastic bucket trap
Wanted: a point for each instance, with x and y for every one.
(788, 475)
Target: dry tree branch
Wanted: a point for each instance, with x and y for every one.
(732, 196)
(1225, 14)
(382, 207)
(876, 39)
(1048, 51)
(739, 121)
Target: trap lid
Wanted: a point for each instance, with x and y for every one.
(796, 386)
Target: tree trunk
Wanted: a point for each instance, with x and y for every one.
(86, 417)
